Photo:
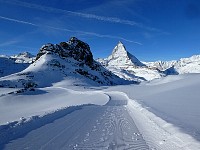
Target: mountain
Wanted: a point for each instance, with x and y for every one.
(122, 58)
(127, 66)
(24, 57)
(69, 62)
(14, 64)
(182, 66)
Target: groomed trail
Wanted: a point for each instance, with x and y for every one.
(91, 127)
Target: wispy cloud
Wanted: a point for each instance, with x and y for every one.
(68, 30)
(7, 43)
(18, 21)
(84, 15)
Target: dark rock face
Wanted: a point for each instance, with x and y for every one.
(74, 48)
(171, 71)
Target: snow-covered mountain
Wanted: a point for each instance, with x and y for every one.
(70, 62)
(182, 66)
(15, 63)
(127, 66)
(122, 58)
(24, 57)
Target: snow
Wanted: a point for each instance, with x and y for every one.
(50, 69)
(160, 114)
(128, 67)
(44, 100)
(24, 57)
(121, 57)
(50, 105)
(182, 66)
(15, 63)
(172, 103)
(8, 66)
(107, 126)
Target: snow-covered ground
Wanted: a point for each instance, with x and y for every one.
(44, 100)
(161, 114)
(172, 103)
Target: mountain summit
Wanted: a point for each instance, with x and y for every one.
(120, 57)
(127, 66)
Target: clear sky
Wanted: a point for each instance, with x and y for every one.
(150, 29)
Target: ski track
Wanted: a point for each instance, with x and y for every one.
(106, 127)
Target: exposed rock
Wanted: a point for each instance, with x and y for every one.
(74, 48)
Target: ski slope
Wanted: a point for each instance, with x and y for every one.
(162, 114)
(89, 127)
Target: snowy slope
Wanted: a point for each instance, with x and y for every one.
(43, 100)
(127, 66)
(79, 127)
(71, 61)
(118, 122)
(174, 104)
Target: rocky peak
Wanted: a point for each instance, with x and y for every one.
(122, 58)
(74, 48)
(118, 51)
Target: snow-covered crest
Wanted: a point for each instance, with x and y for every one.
(121, 57)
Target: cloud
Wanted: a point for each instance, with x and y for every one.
(68, 30)
(18, 21)
(11, 42)
(84, 15)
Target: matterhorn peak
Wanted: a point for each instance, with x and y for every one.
(120, 43)
(119, 49)
(122, 58)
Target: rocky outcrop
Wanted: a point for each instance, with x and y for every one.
(74, 48)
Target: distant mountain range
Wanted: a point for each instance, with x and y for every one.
(127, 66)
(72, 62)
(15, 63)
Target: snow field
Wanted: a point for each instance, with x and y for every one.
(44, 100)
(158, 133)
(162, 114)
(90, 127)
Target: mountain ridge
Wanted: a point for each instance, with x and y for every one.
(127, 66)
(71, 61)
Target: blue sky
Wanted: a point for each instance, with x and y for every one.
(150, 29)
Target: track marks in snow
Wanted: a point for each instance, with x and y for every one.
(93, 127)
(114, 128)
